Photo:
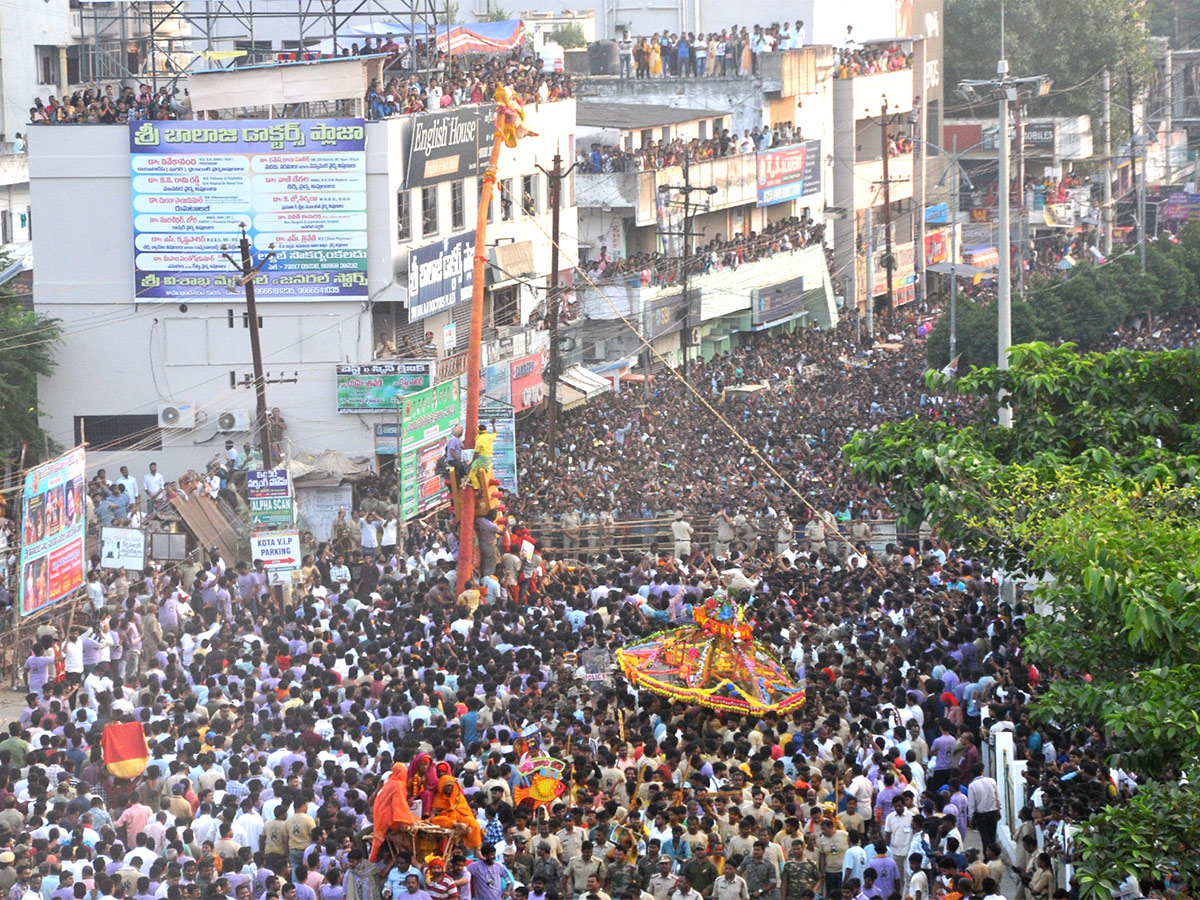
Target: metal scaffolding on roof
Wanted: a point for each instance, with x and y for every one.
(164, 39)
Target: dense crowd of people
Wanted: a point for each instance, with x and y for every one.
(466, 80)
(305, 744)
(112, 105)
(731, 52)
(853, 61)
(457, 81)
(716, 255)
(601, 158)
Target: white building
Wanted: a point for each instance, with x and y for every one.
(16, 214)
(123, 360)
(33, 41)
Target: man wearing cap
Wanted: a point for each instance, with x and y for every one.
(570, 838)
(700, 871)
(681, 531)
(662, 882)
(8, 875)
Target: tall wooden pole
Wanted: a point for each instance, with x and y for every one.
(466, 523)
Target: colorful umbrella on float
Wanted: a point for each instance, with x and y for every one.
(716, 662)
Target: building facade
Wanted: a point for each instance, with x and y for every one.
(129, 353)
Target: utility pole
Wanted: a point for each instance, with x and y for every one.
(685, 335)
(1169, 115)
(870, 276)
(1020, 138)
(954, 204)
(1139, 183)
(1108, 175)
(250, 272)
(1004, 301)
(889, 262)
(686, 189)
(1008, 89)
(554, 297)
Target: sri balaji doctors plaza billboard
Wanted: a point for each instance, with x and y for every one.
(300, 185)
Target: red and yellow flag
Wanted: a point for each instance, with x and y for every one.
(124, 748)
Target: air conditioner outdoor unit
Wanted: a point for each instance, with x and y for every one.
(172, 414)
(234, 420)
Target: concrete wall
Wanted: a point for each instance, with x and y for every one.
(23, 27)
(741, 96)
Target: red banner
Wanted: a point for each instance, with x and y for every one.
(527, 386)
(124, 747)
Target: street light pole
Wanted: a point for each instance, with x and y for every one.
(1008, 89)
(1004, 299)
(1108, 174)
(954, 204)
(870, 276)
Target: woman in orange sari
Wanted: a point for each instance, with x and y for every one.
(450, 808)
(391, 808)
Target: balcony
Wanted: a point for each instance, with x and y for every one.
(868, 178)
(732, 176)
(717, 294)
(856, 98)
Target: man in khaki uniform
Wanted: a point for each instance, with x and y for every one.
(681, 531)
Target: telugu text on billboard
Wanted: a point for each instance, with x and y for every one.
(430, 415)
(270, 495)
(788, 173)
(299, 187)
(376, 387)
(440, 276)
(52, 532)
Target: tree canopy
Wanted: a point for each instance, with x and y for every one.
(27, 341)
(1097, 488)
(1086, 306)
(1069, 40)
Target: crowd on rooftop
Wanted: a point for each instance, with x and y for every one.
(719, 253)
(469, 80)
(600, 158)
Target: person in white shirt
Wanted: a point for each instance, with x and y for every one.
(97, 682)
(369, 531)
(798, 35)
(153, 485)
(918, 884)
(130, 483)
